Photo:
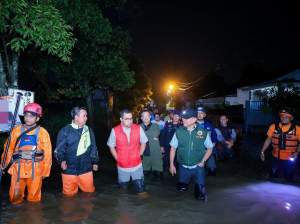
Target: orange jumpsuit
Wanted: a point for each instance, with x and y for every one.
(41, 169)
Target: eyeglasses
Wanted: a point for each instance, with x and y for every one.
(127, 119)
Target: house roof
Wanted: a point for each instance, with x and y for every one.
(290, 77)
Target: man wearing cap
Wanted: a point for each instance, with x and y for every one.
(166, 136)
(205, 124)
(193, 147)
(285, 137)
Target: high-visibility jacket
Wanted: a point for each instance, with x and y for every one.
(25, 169)
(66, 150)
(284, 143)
(128, 153)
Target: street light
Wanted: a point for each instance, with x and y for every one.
(170, 88)
(170, 91)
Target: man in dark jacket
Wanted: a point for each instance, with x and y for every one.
(166, 136)
(77, 154)
(205, 124)
(226, 137)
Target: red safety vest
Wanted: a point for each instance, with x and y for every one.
(284, 143)
(128, 153)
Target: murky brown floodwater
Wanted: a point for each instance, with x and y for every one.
(232, 198)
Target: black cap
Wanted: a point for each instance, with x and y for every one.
(177, 112)
(188, 113)
(286, 111)
(201, 109)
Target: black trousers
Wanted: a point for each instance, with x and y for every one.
(287, 167)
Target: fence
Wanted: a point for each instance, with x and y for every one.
(255, 116)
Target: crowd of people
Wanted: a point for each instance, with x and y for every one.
(183, 143)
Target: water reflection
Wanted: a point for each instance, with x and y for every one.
(288, 206)
(126, 218)
(231, 200)
(76, 208)
(28, 213)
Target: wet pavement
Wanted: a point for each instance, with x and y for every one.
(235, 195)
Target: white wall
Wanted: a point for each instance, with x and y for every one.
(241, 98)
(243, 95)
(270, 90)
(211, 102)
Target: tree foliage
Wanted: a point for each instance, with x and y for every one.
(139, 95)
(41, 25)
(25, 23)
(99, 59)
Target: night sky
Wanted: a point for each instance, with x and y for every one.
(186, 39)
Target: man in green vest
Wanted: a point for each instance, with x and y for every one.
(193, 147)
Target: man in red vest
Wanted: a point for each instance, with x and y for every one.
(127, 142)
(284, 137)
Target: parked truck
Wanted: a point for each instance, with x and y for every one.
(8, 105)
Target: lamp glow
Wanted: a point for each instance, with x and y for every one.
(292, 159)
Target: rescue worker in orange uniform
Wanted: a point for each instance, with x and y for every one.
(77, 154)
(30, 153)
(285, 137)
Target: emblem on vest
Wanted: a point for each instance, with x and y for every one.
(199, 134)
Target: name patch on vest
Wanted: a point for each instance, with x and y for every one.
(199, 134)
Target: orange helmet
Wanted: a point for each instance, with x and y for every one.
(34, 108)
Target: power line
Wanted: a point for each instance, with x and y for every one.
(183, 86)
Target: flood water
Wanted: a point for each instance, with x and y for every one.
(234, 196)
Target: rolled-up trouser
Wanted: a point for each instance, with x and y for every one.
(186, 174)
(71, 183)
(17, 189)
(136, 175)
(124, 175)
(139, 185)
